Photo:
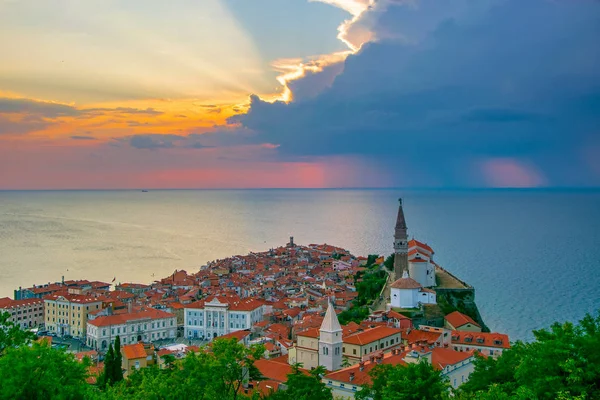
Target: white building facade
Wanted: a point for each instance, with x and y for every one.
(27, 313)
(221, 316)
(330, 341)
(420, 263)
(146, 326)
(408, 293)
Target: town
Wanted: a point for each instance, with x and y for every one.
(317, 305)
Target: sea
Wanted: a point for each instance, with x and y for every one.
(533, 256)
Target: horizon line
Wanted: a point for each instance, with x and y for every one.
(141, 189)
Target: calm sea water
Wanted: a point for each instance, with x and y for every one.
(532, 256)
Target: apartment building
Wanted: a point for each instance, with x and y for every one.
(27, 313)
(146, 325)
(67, 314)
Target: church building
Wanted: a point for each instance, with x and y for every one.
(413, 262)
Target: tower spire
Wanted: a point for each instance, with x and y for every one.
(400, 243)
(330, 340)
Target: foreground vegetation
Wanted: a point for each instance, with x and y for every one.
(563, 362)
(369, 284)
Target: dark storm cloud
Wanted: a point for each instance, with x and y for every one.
(473, 80)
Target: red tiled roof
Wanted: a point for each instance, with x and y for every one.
(441, 357)
(363, 377)
(239, 335)
(458, 319)
(416, 243)
(311, 332)
(119, 319)
(396, 315)
(75, 298)
(483, 339)
(371, 335)
(275, 370)
(406, 283)
(7, 302)
(133, 351)
(416, 335)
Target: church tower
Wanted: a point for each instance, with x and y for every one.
(400, 243)
(330, 341)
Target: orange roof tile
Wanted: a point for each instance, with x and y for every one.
(371, 335)
(406, 283)
(458, 319)
(483, 339)
(275, 370)
(441, 357)
(133, 351)
(150, 313)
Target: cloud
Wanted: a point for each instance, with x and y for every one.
(450, 85)
(21, 125)
(162, 141)
(77, 137)
(28, 106)
(123, 110)
(153, 141)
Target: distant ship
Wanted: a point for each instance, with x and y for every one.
(144, 191)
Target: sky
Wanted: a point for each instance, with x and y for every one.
(118, 94)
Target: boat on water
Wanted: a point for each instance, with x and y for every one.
(144, 191)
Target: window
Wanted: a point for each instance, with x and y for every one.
(353, 351)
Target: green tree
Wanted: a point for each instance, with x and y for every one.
(12, 335)
(116, 367)
(389, 262)
(106, 377)
(371, 258)
(215, 374)
(563, 361)
(398, 382)
(40, 372)
(498, 372)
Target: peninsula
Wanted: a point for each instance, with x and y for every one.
(317, 304)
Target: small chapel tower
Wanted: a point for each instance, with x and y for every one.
(400, 243)
(330, 341)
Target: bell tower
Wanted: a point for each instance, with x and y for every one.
(400, 243)
(330, 340)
